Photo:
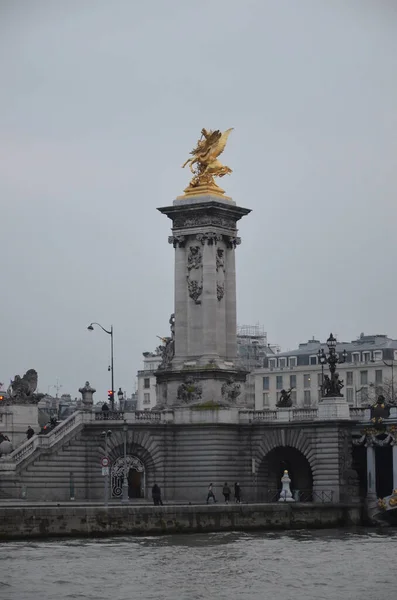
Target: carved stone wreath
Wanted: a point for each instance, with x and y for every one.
(195, 289)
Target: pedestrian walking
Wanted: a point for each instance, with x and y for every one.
(156, 495)
(210, 493)
(237, 493)
(226, 492)
(29, 432)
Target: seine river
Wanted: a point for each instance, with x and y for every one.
(304, 565)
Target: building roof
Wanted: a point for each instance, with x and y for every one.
(364, 342)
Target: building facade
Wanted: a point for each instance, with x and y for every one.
(367, 372)
(147, 384)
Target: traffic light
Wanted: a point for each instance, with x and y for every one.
(1, 398)
(110, 395)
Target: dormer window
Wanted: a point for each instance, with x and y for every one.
(272, 363)
(282, 363)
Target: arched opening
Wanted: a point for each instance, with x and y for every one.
(271, 471)
(136, 477)
(384, 470)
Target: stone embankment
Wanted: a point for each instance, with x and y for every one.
(44, 521)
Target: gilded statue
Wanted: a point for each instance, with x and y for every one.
(204, 163)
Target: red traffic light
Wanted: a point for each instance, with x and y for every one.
(110, 394)
(1, 398)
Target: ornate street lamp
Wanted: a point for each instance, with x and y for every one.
(120, 397)
(322, 359)
(111, 369)
(331, 385)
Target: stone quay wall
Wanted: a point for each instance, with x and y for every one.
(28, 522)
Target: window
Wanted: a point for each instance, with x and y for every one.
(349, 395)
(364, 377)
(313, 360)
(378, 376)
(319, 379)
(292, 361)
(266, 402)
(272, 363)
(366, 356)
(356, 357)
(146, 383)
(282, 363)
(292, 381)
(306, 381)
(349, 378)
(279, 382)
(306, 398)
(266, 383)
(146, 398)
(378, 355)
(293, 397)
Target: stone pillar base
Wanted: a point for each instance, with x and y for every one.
(333, 408)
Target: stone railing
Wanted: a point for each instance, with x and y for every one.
(148, 416)
(109, 416)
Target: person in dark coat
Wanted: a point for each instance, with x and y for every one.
(156, 495)
(105, 410)
(226, 492)
(29, 432)
(237, 492)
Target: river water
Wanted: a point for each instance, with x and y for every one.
(304, 565)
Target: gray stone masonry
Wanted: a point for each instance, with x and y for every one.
(204, 236)
(184, 457)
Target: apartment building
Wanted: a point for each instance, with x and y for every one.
(367, 372)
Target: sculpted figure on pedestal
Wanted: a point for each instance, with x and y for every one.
(22, 389)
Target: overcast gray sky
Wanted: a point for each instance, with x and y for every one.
(100, 104)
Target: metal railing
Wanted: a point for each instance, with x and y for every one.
(320, 496)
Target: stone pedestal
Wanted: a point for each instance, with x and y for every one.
(333, 408)
(87, 393)
(204, 368)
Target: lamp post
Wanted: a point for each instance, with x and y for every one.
(125, 478)
(120, 397)
(91, 328)
(323, 360)
(334, 385)
(106, 435)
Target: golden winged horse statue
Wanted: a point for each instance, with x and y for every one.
(204, 163)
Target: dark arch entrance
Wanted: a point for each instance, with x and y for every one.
(272, 468)
(136, 477)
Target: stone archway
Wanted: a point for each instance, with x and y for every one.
(136, 477)
(272, 467)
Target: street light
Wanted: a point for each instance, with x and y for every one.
(322, 360)
(106, 435)
(125, 478)
(334, 384)
(91, 328)
(120, 397)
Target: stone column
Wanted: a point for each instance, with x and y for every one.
(230, 297)
(88, 396)
(181, 298)
(209, 301)
(395, 465)
(371, 471)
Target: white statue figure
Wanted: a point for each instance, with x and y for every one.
(286, 494)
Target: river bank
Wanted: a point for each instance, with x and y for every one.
(29, 522)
